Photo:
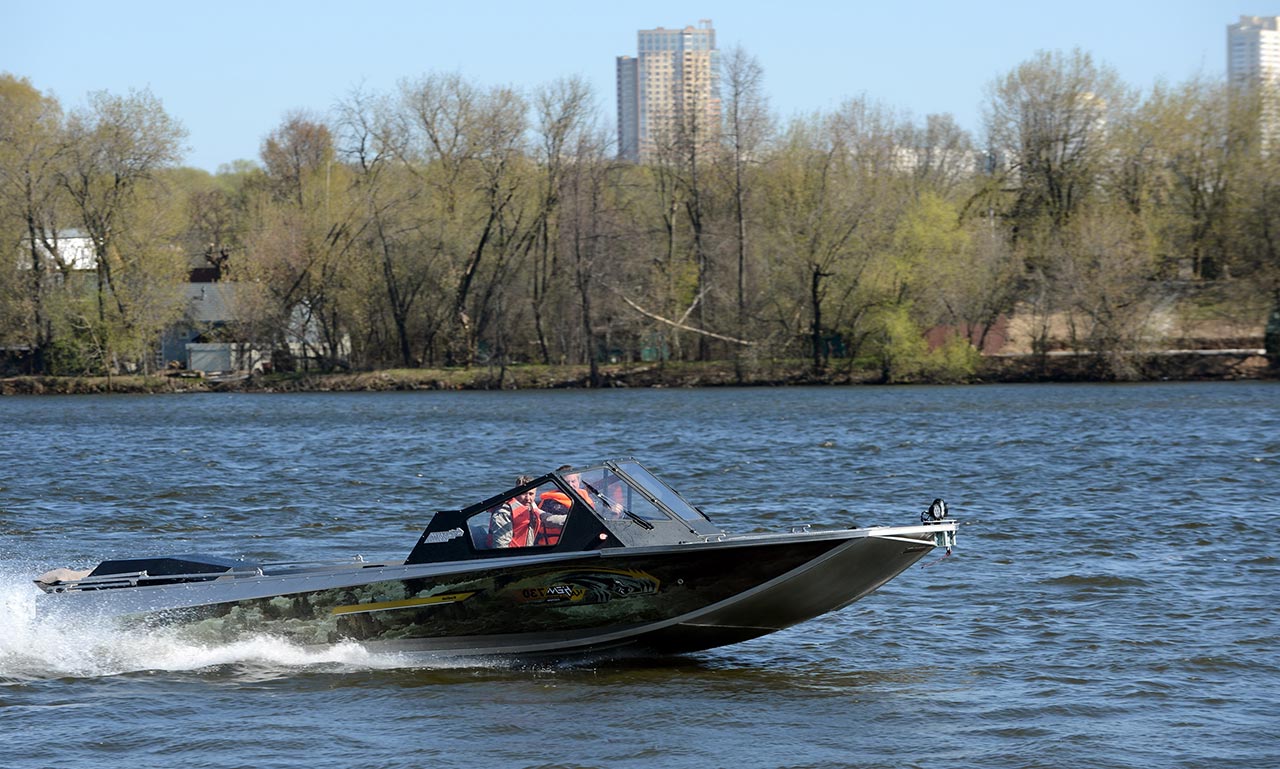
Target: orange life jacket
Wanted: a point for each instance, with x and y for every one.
(550, 533)
(581, 489)
(557, 496)
(522, 519)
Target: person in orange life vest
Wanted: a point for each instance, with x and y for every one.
(617, 492)
(509, 526)
(554, 511)
(575, 480)
(606, 485)
(611, 494)
(526, 521)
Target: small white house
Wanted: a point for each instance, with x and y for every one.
(69, 248)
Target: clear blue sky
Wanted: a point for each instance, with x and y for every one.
(229, 70)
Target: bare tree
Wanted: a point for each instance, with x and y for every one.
(1105, 279)
(1050, 115)
(586, 230)
(685, 149)
(940, 154)
(565, 114)
(304, 237)
(297, 148)
(373, 142)
(469, 148)
(747, 128)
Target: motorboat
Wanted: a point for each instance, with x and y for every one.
(602, 560)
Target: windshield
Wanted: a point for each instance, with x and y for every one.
(610, 496)
(661, 491)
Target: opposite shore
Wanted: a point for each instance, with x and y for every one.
(1174, 365)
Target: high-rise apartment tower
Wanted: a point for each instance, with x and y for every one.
(1253, 51)
(1253, 65)
(669, 92)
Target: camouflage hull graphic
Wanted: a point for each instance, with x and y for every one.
(527, 600)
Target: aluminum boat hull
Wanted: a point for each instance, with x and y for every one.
(616, 602)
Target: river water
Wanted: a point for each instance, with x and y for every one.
(1113, 601)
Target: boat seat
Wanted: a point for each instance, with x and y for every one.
(53, 577)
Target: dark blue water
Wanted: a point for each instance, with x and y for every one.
(1113, 601)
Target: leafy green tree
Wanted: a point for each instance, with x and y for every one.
(1254, 223)
(954, 273)
(1177, 173)
(833, 198)
(31, 211)
(114, 149)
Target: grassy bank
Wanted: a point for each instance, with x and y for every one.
(1165, 366)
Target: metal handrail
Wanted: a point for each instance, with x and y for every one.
(133, 578)
(341, 561)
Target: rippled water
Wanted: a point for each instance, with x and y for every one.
(1113, 601)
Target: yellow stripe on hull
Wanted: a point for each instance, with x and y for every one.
(409, 603)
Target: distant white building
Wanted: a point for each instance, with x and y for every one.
(672, 84)
(1253, 65)
(68, 249)
(1253, 51)
(957, 163)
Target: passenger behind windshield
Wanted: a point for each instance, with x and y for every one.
(553, 511)
(610, 495)
(590, 486)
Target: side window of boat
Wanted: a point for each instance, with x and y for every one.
(478, 526)
(532, 519)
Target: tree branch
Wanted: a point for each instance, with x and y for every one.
(677, 324)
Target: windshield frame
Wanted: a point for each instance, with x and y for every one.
(646, 519)
(658, 491)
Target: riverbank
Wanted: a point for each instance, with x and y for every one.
(1172, 365)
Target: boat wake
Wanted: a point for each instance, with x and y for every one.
(36, 645)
